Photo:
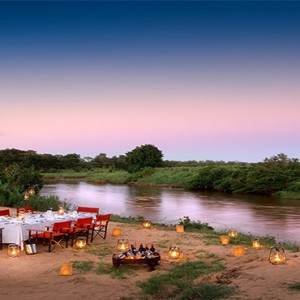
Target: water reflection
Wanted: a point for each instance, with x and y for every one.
(255, 214)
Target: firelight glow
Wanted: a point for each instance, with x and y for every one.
(199, 80)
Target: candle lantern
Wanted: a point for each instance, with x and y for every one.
(116, 232)
(122, 245)
(80, 243)
(66, 269)
(13, 250)
(256, 244)
(233, 233)
(147, 224)
(238, 250)
(179, 228)
(31, 191)
(174, 252)
(277, 255)
(26, 196)
(21, 214)
(224, 239)
(61, 210)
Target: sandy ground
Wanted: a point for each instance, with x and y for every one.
(37, 276)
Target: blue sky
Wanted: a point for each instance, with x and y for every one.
(200, 80)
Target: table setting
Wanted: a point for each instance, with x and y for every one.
(15, 228)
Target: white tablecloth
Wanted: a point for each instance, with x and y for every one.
(16, 231)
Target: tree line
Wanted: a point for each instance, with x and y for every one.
(275, 175)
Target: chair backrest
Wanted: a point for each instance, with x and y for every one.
(4, 212)
(27, 209)
(61, 225)
(102, 218)
(83, 222)
(88, 209)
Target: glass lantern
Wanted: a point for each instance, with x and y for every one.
(122, 245)
(233, 233)
(256, 244)
(80, 243)
(31, 191)
(61, 210)
(277, 255)
(174, 252)
(13, 250)
(147, 224)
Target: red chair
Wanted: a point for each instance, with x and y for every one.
(81, 229)
(27, 209)
(88, 209)
(4, 212)
(99, 228)
(60, 232)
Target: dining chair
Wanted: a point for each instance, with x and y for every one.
(99, 227)
(81, 229)
(27, 209)
(4, 212)
(88, 209)
(53, 236)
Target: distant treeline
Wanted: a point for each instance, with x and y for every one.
(277, 175)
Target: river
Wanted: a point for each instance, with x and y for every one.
(258, 215)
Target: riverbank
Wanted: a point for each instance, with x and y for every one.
(260, 179)
(248, 277)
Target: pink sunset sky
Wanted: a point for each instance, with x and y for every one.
(232, 100)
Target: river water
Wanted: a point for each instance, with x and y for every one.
(258, 215)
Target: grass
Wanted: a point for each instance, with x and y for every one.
(177, 283)
(101, 251)
(295, 286)
(101, 268)
(83, 266)
(207, 291)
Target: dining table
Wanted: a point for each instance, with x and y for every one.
(16, 229)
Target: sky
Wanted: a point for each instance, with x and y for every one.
(200, 80)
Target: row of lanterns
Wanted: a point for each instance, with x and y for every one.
(276, 256)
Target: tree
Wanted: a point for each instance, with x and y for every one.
(143, 156)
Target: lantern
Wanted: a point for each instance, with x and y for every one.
(256, 244)
(174, 252)
(21, 214)
(26, 196)
(179, 228)
(13, 250)
(66, 269)
(147, 224)
(277, 255)
(122, 245)
(116, 232)
(233, 233)
(224, 239)
(61, 210)
(238, 250)
(80, 243)
(31, 191)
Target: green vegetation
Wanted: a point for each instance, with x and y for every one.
(101, 268)
(295, 286)
(83, 266)
(143, 157)
(193, 225)
(178, 282)
(277, 175)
